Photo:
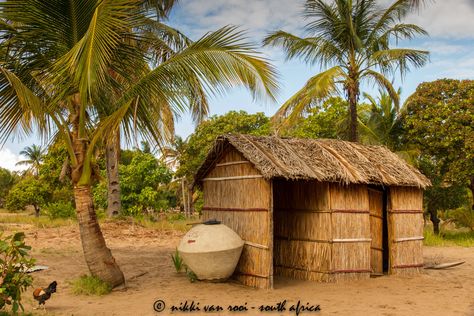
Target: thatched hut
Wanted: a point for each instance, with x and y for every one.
(320, 210)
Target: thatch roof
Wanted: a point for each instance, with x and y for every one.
(325, 160)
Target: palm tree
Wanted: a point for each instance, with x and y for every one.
(352, 39)
(64, 61)
(34, 156)
(383, 126)
(169, 43)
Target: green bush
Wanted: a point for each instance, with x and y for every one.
(90, 285)
(60, 210)
(14, 260)
(463, 217)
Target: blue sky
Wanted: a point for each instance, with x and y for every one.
(450, 24)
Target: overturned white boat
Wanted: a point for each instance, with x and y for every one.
(211, 250)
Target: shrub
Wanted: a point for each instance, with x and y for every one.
(60, 210)
(463, 217)
(14, 261)
(90, 285)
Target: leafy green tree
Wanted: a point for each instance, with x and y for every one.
(354, 39)
(34, 156)
(201, 141)
(439, 119)
(14, 261)
(142, 183)
(54, 172)
(6, 182)
(29, 191)
(63, 62)
(328, 120)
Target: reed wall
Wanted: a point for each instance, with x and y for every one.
(301, 237)
(236, 195)
(405, 230)
(350, 226)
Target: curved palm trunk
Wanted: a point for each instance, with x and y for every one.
(98, 257)
(112, 155)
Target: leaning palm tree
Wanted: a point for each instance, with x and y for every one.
(63, 62)
(34, 156)
(353, 40)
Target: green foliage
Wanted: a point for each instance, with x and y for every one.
(463, 217)
(328, 120)
(90, 285)
(60, 210)
(29, 191)
(50, 173)
(439, 118)
(14, 260)
(202, 139)
(99, 195)
(6, 182)
(143, 185)
(177, 261)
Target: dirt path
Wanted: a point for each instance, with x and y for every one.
(144, 256)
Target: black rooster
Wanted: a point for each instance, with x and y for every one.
(42, 295)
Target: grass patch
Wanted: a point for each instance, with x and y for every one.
(162, 224)
(449, 238)
(39, 222)
(90, 285)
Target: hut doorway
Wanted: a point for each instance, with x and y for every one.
(379, 254)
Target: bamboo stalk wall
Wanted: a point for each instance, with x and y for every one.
(350, 226)
(406, 230)
(236, 195)
(301, 237)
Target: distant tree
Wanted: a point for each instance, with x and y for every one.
(439, 120)
(6, 182)
(143, 184)
(327, 120)
(34, 156)
(29, 191)
(171, 154)
(354, 41)
(201, 141)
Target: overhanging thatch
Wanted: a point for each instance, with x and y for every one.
(317, 159)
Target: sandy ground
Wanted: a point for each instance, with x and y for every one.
(144, 256)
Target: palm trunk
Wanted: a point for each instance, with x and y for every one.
(98, 257)
(112, 155)
(353, 96)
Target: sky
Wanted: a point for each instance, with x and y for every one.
(450, 24)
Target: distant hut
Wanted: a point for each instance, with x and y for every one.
(321, 210)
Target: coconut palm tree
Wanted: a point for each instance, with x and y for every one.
(352, 40)
(34, 156)
(169, 42)
(64, 61)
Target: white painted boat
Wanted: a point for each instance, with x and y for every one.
(211, 251)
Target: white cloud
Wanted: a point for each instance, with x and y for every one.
(446, 18)
(258, 16)
(8, 160)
